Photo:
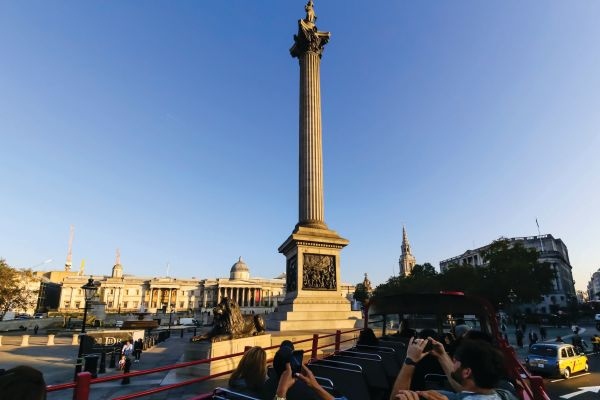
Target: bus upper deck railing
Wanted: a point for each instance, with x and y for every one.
(83, 382)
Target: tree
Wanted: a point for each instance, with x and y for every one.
(14, 291)
(360, 293)
(512, 266)
(423, 278)
(508, 266)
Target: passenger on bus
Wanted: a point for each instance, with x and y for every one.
(251, 373)
(474, 372)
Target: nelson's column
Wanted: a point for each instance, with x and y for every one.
(313, 296)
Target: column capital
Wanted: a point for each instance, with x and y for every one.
(309, 38)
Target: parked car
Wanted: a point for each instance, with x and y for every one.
(556, 359)
(23, 316)
(38, 315)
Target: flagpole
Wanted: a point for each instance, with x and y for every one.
(539, 234)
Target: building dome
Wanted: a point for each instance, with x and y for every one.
(239, 270)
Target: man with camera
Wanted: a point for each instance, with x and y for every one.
(473, 371)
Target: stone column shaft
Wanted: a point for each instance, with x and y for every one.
(311, 205)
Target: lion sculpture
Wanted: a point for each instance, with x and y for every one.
(229, 323)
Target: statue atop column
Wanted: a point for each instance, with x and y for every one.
(309, 38)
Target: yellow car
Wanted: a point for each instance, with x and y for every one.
(556, 359)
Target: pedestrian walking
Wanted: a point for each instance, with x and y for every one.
(578, 343)
(138, 346)
(127, 349)
(596, 343)
(125, 365)
(543, 333)
(519, 336)
(534, 339)
(35, 329)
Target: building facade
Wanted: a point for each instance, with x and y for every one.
(593, 287)
(122, 293)
(550, 250)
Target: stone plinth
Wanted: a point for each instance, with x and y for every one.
(311, 303)
(205, 349)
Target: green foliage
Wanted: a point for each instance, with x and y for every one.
(423, 278)
(508, 266)
(360, 293)
(14, 293)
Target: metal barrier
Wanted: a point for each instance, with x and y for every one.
(83, 382)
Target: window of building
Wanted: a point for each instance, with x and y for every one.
(77, 304)
(110, 304)
(67, 304)
(135, 304)
(125, 304)
(137, 291)
(181, 304)
(111, 291)
(79, 291)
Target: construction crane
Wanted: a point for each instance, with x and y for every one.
(69, 262)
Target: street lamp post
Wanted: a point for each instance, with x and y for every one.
(89, 291)
(512, 297)
(170, 318)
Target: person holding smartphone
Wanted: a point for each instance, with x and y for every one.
(286, 384)
(288, 380)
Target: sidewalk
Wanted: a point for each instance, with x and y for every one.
(57, 363)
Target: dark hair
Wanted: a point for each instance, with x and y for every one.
(282, 357)
(287, 343)
(474, 334)
(367, 337)
(23, 383)
(486, 363)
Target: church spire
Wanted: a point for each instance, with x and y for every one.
(407, 260)
(405, 243)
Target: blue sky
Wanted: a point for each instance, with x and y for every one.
(169, 130)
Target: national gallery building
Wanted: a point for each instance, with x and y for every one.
(130, 294)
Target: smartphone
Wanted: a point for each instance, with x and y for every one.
(428, 347)
(296, 361)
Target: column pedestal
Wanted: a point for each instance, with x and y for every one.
(313, 298)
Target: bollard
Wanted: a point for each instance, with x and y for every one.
(181, 330)
(102, 368)
(194, 331)
(25, 340)
(112, 362)
(75, 339)
(50, 340)
(82, 386)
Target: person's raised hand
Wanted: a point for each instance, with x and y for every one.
(308, 377)
(286, 380)
(438, 348)
(415, 348)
